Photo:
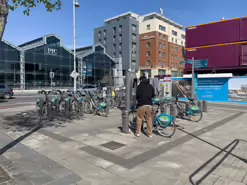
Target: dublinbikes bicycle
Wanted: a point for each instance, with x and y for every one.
(96, 106)
(43, 105)
(191, 110)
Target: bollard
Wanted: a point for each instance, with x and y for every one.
(125, 121)
(199, 103)
(168, 109)
(82, 108)
(173, 111)
(204, 106)
(162, 109)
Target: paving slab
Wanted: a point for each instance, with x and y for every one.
(75, 152)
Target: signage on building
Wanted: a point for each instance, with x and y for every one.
(148, 37)
(52, 51)
(166, 86)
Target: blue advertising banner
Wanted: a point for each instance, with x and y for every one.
(213, 89)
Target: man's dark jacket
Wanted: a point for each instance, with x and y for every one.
(144, 93)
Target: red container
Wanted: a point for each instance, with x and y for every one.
(243, 29)
(218, 56)
(213, 33)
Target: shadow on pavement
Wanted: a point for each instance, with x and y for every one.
(3, 101)
(227, 150)
(30, 120)
(19, 139)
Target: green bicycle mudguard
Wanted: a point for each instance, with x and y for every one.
(103, 105)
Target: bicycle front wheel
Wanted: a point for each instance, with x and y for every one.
(167, 131)
(196, 116)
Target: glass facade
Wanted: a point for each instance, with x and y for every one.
(98, 67)
(39, 61)
(9, 65)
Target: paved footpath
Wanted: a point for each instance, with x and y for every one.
(93, 151)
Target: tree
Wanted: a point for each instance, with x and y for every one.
(6, 5)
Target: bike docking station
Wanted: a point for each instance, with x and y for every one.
(130, 99)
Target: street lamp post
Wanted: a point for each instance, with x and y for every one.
(75, 5)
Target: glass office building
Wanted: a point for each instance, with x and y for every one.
(40, 57)
(9, 64)
(98, 66)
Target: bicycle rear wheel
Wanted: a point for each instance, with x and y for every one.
(132, 115)
(166, 131)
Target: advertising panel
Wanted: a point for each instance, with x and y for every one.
(237, 90)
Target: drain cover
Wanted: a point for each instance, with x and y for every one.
(112, 145)
(3, 176)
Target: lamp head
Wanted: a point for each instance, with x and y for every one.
(76, 3)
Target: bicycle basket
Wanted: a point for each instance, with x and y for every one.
(165, 119)
(195, 108)
(103, 104)
(156, 100)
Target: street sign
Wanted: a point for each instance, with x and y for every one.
(200, 64)
(51, 74)
(197, 63)
(74, 74)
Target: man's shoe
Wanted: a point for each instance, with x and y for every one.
(150, 136)
(137, 135)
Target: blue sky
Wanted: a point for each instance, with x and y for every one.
(92, 14)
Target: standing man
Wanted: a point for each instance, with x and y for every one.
(144, 95)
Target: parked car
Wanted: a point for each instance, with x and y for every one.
(83, 88)
(6, 92)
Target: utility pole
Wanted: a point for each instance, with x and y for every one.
(192, 78)
(75, 5)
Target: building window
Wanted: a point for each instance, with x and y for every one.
(99, 34)
(160, 54)
(164, 63)
(176, 41)
(148, 44)
(172, 57)
(133, 46)
(99, 40)
(176, 57)
(176, 48)
(120, 54)
(160, 46)
(172, 48)
(104, 41)
(120, 38)
(182, 43)
(114, 39)
(133, 54)
(114, 55)
(162, 28)
(160, 36)
(164, 54)
(133, 63)
(160, 63)
(164, 37)
(183, 36)
(164, 46)
(104, 32)
(148, 27)
(172, 64)
(133, 27)
(114, 47)
(148, 54)
(172, 40)
(114, 30)
(148, 62)
(174, 33)
(120, 47)
(133, 37)
(120, 28)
